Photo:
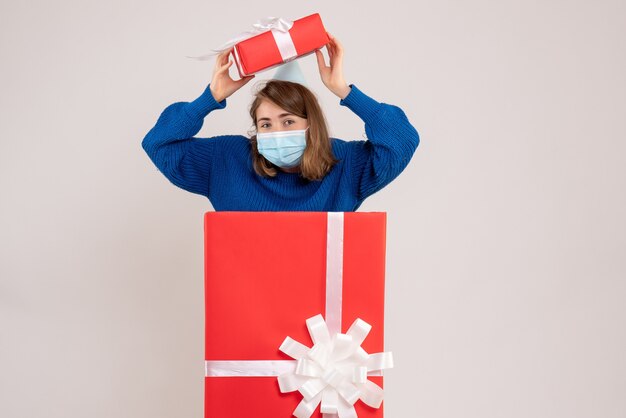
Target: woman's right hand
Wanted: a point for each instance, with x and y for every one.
(222, 85)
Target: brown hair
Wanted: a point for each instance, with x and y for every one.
(318, 158)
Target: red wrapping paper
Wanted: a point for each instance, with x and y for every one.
(265, 274)
(261, 53)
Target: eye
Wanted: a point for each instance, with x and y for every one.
(263, 125)
(289, 120)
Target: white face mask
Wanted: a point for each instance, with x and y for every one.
(283, 148)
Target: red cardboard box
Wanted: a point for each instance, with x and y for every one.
(265, 275)
(262, 52)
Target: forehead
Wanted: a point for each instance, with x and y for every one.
(269, 110)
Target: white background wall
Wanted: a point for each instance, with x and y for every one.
(506, 234)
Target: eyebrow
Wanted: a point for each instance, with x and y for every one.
(282, 115)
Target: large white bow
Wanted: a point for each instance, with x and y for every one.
(334, 371)
(262, 25)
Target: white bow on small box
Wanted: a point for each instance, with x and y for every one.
(280, 30)
(334, 371)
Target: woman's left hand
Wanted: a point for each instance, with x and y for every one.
(332, 76)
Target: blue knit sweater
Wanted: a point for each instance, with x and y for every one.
(220, 167)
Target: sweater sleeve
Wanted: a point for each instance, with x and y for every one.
(392, 141)
(172, 147)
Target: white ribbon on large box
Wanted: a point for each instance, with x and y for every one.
(280, 30)
(334, 371)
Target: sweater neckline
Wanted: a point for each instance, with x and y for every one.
(297, 173)
(291, 178)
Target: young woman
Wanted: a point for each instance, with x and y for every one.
(289, 163)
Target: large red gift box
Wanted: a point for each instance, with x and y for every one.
(274, 47)
(265, 275)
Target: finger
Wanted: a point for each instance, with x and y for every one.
(220, 57)
(219, 63)
(329, 50)
(332, 38)
(225, 67)
(338, 44)
(334, 46)
(338, 52)
(321, 62)
(224, 56)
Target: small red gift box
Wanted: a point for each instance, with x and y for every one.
(277, 46)
(266, 273)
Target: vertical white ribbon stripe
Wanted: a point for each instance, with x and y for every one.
(334, 271)
(285, 44)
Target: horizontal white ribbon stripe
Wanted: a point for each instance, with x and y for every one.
(256, 368)
(248, 368)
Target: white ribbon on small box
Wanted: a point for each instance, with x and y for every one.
(280, 30)
(334, 371)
